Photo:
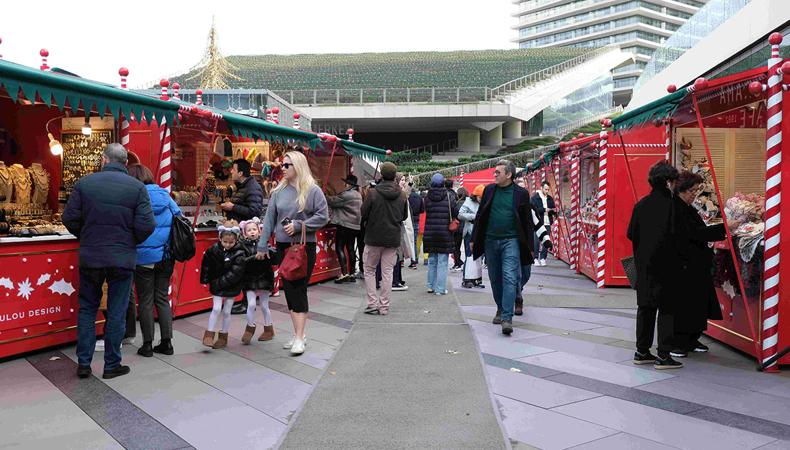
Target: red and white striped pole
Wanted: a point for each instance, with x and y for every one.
(164, 84)
(297, 116)
(773, 188)
(350, 133)
(268, 115)
(124, 123)
(575, 185)
(601, 241)
(176, 91)
(199, 95)
(164, 160)
(123, 72)
(276, 115)
(44, 53)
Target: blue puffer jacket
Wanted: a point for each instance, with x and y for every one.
(153, 249)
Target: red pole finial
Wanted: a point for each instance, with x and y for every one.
(297, 116)
(44, 54)
(672, 88)
(775, 38)
(164, 84)
(350, 133)
(176, 88)
(123, 72)
(276, 115)
(199, 94)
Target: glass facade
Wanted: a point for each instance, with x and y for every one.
(589, 101)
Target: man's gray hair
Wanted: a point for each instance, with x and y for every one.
(116, 153)
(510, 167)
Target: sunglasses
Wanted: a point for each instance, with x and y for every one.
(287, 165)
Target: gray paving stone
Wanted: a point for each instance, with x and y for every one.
(596, 369)
(622, 441)
(579, 347)
(535, 391)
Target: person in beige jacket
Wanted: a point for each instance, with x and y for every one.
(346, 215)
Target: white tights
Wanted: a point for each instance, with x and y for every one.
(221, 305)
(262, 297)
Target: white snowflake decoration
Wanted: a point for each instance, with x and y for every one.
(43, 279)
(25, 289)
(6, 283)
(728, 289)
(62, 287)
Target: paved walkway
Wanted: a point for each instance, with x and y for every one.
(563, 380)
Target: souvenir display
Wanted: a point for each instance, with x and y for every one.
(22, 184)
(40, 179)
(82, 155)
(6, 184)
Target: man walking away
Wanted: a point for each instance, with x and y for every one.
(505, 231)
(110, 213)
(383, 210)
(657, 267)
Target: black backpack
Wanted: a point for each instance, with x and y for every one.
(182, 239)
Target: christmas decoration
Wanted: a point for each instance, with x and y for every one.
(214, 67)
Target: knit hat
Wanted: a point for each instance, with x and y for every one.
(388, 171)
(478, 191)
(437, 180)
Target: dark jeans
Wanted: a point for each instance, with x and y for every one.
(344, 245)
(397, 274)
(504, 273)
(152, 287)
(457, 241)
(119, 283)
(361, 249)
(540, 250)
(645, 329)
(416, 244)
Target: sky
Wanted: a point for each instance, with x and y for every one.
(155, 39)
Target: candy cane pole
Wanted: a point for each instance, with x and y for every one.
(773, 187)
(350, 133)
(461, 179)
(164, 161)
(574, 250)
(199, 95)
(124, 123)
(601, 264)
(297, 116)
(44, 53)
(276, 115)
(176, 91)
(164, 85)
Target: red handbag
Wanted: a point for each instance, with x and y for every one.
(454, 223)
(294, 264)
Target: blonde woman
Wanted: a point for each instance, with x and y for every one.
(296, 202)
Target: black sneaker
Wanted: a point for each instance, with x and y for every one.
(165, 347)
(497, 318)
(467, 285)
(679, 353)
(507, 327)
(117, 372)
(644, 358)
(699, 347)
(666, 363)
(372, 311)
(413, 266)
(84, 371)
(341, 279)
(146, 350)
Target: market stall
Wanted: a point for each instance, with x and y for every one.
(727, 130)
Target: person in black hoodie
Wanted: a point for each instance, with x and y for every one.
(222, 269)
(384, 210)
(257, 281)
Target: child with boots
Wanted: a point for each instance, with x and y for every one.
(222, 269)
(257, 281)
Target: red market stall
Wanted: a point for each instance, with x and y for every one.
(729, 131)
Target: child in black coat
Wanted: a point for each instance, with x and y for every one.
(257, 281)
(223, 270)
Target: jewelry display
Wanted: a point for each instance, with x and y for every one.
(22, 184)
(40, 179)
(6, 185)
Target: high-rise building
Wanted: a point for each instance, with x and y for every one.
(638, 26)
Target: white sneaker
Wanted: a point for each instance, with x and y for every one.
(542, 262)
(99, 345)
(400, 288)
(291, 341)
(298, 347)
(537, 262)
(127, 341)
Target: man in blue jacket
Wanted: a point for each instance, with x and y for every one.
(110, 213)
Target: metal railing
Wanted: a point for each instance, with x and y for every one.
(535, 77)
(439, 148)
(311, 97)
(520, 159)
(570, 126)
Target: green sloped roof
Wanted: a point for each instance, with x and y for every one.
(479, 68)
(657, 109)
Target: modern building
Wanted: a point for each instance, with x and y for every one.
(638, 26)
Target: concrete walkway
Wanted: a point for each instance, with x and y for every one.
(412, 379)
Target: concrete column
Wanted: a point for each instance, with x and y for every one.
(512, 129)
(493, 138)
(469, 140)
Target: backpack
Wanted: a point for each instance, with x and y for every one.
(182, 239)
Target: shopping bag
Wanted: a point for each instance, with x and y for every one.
(629, 265)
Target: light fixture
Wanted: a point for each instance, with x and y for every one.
(54, 145)
(86, 127)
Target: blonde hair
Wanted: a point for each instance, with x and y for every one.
(304, 178)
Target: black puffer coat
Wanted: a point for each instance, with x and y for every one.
(258, 274)
(223, 270)
(247, 200)
(437, 237)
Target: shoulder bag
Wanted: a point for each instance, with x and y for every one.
(182, 239)
(454, 223)
(294, 264)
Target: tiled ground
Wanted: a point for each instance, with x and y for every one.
(563, 380)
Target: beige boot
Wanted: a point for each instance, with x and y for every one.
(268, 333)
(208, 338)
(222, 341)
(248, 333)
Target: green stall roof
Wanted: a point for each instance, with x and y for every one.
(657, 109)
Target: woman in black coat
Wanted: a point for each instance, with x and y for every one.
(437, 239)
(698, 302)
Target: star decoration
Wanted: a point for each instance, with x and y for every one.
(25, 289)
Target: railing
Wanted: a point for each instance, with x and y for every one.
(568, 127)
(438, 148)
(520, 159)
(386, 95)
(535, 77)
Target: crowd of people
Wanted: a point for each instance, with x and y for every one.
(124, 220)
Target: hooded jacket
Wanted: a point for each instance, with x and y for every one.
(439, 210)
(346, 208)
(468, 213)
(154, 249)
(223, 270)
(258, 274)
(383, 212)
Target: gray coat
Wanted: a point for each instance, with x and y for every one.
(467, 213)
(346, 208)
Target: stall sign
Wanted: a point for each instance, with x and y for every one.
(17, 314)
